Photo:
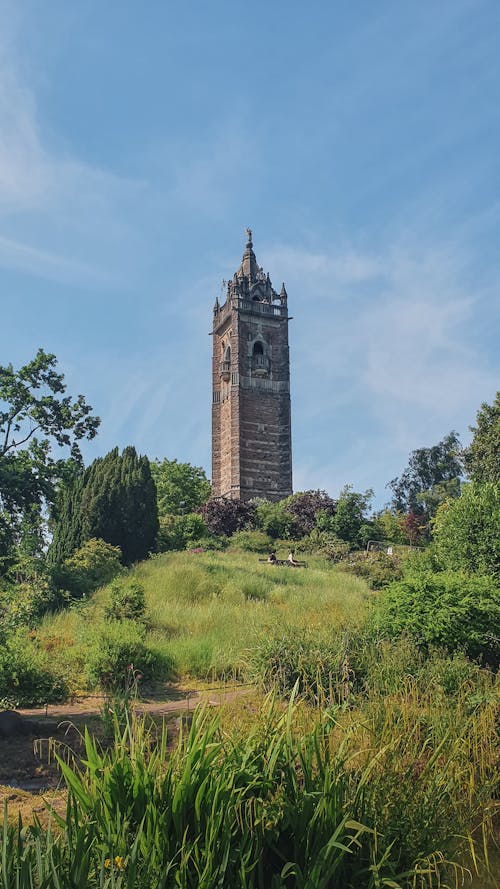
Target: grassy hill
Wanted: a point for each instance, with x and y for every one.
(205, 613)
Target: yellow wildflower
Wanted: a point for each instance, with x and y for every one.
(118, 862)
(107, 862)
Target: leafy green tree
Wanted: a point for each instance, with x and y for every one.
(180, 532)
(114, 500)
(274, 519)
(35, 415)
(482, 457)
(432, 474)
(466, 531)
(351, 517)
(389, 527)
(181, 487)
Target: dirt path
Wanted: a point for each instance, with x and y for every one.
(174, 698)
(26, 767)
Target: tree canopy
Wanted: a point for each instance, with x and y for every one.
(113, 500)
(482, 457)
(35, 416)
(181, 487)
(432, 476)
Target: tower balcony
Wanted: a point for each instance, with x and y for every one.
(261, 365)
(225, 370)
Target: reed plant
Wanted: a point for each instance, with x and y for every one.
(385, 797)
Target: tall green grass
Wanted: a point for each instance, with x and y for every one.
(266, 806)
(205, 612)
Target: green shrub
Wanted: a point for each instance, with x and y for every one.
(252, 541)
(127, 601)
(179, 532)
(466, 531)
(90, 567)
(119, 647)
(26, 677)
(378, 569)
(324, 543)
(447, 609)
(274, 519)
(210, 543)
(24, 604)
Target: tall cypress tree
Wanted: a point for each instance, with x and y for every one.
(115, 502)
(66, 520)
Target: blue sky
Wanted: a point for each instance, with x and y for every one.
(359, 141)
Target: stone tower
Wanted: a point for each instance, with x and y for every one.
(251, 432)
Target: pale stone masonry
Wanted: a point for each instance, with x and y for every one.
(251, 425)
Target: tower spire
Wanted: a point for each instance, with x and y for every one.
(249, 262)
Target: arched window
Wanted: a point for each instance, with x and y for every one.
(227, 355)
(258, 348)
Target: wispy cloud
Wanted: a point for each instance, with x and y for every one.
(389, 338)
(59, 216)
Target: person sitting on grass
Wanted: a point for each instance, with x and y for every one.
(271, 557)
(291, 558)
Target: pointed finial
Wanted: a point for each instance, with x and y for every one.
(249, 236)
(283, 293)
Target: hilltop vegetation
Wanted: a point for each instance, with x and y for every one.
(123, 577)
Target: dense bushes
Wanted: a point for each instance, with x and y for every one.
(252, 541)
(377, 568)
(115, 648)
(90, 567)
(180, 532)
(127, 601)
(114, 499)
(225, 516)
(466, 531)
(445, 609)
(26, 675)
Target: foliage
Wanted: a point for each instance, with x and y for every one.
(115, 501)
(274, 519)
(26, 676)
(225, 516)
(114, 648)
(297, 660)
(252, 541)
(24, 604)
(466, 531)
(350, 521)
(415, 528)
(430, 477)
(180, 487)
(305, 507)
(35, 414)
(377, 568)
(127, 601)
(180, 532)
(274, 805)
(90, 567)
(482, 457)
(445, 609)
(389, 527)
(324, 543)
